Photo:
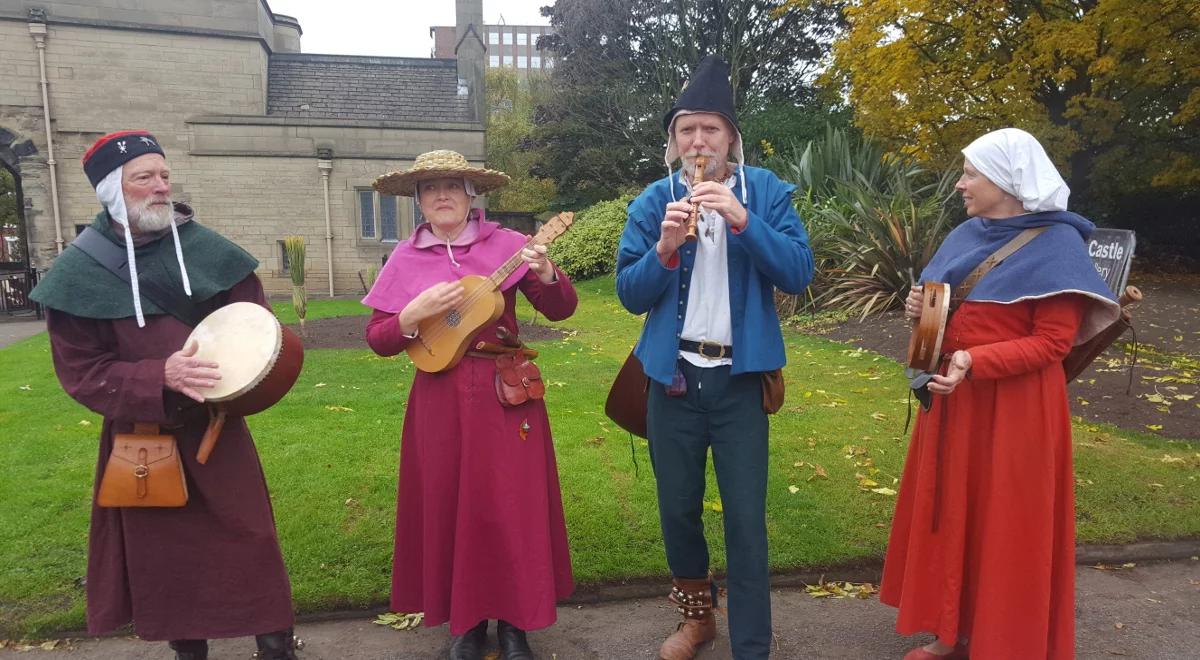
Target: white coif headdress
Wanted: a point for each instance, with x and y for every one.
(1016, 162)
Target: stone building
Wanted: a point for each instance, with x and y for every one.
(264, 141)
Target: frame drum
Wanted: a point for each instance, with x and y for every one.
(259, 360)
(925, 345)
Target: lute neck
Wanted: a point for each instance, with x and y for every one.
(508, 267)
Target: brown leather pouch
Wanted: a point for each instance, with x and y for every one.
(517, 379)
(627, 398)
(144, 469)
(772, 391)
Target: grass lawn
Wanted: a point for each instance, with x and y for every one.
(330, 449)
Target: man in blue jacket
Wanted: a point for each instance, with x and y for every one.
(711, 334)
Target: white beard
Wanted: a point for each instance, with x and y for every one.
(710, 168)
(147, 218)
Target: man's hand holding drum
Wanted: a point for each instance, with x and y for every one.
(185, 373)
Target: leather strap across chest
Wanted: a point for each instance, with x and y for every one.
(994, 259)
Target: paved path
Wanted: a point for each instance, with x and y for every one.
(14, 330)
(1149, 612)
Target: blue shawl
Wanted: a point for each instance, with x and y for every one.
(1055, 262)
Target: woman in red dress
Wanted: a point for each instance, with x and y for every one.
(982, 548)
(479, 520)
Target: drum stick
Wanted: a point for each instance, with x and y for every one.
(216, 422)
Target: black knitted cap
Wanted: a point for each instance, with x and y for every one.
(708, 90)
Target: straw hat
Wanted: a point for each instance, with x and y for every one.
(436, 165)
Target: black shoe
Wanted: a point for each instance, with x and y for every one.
(469, 646)
(189, 649)
(280, 645)
(513, 645)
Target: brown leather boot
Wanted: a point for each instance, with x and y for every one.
(692, 599)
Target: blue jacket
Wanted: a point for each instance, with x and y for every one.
(771, 251)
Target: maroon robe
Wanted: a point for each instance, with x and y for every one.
(210, 569)
(480, 532)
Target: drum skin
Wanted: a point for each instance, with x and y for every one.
(259, 359)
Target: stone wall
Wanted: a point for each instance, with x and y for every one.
(251, 177)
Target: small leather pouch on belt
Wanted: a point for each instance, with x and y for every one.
(772, 391)
(144, 469)
(517, 379)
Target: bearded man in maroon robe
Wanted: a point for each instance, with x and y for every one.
(121, 302)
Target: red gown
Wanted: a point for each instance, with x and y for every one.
(480, 532)
(210, 569)
(983, 542)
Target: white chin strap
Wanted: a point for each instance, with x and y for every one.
(110, 194)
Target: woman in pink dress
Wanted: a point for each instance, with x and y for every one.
(480, 533)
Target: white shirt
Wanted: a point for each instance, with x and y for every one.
(708, 317)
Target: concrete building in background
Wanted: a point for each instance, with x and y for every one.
(508, 46)
(264, 141)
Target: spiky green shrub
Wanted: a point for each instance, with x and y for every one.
(878, 242)
(294, 246)
(589, 248)
(874, 220)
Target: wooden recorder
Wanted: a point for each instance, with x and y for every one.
(694, 216)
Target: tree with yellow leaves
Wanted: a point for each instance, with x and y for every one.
(1111, 87)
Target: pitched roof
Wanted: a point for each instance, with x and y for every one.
(357, 87)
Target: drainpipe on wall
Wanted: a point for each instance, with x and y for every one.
(325, 165)
(37, 29)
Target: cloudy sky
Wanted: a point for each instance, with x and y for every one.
(394, 28)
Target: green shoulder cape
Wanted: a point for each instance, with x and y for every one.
(79, 285)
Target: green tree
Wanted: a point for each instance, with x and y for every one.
(509, 147)
(619, 65)
(783, 128)
(1111, 87)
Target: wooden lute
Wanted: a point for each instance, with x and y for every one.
(444, 338)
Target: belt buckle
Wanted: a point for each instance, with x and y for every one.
(720, 349)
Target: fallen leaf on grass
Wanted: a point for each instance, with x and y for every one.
(865, 482)
(854, 450)
(84, 422)
(884, 491)
(320, 385)
(1167, 458)
(25, 388)
(793, 489)
(338, 409)
(818, 471)
(399, 620)
(1154, 427)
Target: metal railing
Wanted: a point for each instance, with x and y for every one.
(14, 292)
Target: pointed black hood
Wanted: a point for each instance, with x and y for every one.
(708, 90)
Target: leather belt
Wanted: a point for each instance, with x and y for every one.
(708, 349)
